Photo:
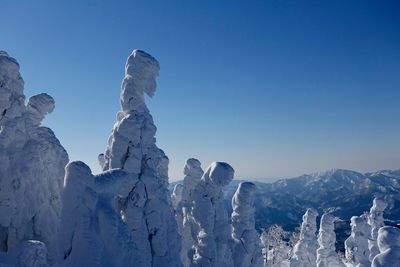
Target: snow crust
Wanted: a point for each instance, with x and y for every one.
(247, 250)
(32, 163)
(304, 252)
(326, 254)
(389, 247)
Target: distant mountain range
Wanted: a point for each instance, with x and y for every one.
(344, 192)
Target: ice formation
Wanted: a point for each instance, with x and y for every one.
(375, 220)
(356, 245)
(326, 254)
(247, 247)
(147, 209)
(304, 252)
(389, 247)
(188, 229)
(92, 231)
(213, 245)
(32, 163)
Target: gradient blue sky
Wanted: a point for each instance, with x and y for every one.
(276, 88)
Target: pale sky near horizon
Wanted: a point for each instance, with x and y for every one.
(275, 88)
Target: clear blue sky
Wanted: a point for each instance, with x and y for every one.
(276, 88)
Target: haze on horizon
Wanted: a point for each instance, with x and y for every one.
(277, 89)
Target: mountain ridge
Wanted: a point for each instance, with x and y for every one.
(343, 192)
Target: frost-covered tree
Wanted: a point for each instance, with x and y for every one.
(32, 163)
(389, 247)
(93, 232)
(132, 147)
(326, 254)
(276, 247)
(356, 245)
(304, 252)
(213, 244)
(188, 228)
(247, 247)
(28, 253)
(375, 220)
(176, 196)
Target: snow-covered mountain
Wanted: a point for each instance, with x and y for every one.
(344, 192)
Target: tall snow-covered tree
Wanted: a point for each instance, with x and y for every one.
(375, 220)
(389, 247)
(356, 245)
(32, 163)
(304, 252)
(188, 228)
(213, 244)
(326, 253)
(132, 147)
(247, 247)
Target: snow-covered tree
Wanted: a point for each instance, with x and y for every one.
(93, 232)
(176, 196)
(375, 220)
(247, 247)
(32, 163)
(326, 254)
(389, 247)
(304, 252)
(132, 147)
(356, 245)
(213, 245)
(188, 228)
(28, 253)
(276, 247)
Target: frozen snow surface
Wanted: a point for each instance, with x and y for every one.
(389, 247)
(304, 252)
(247, 246)
(32, 163)
(326, 254)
